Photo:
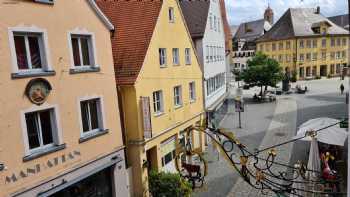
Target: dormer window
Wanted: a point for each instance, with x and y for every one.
(171, 15)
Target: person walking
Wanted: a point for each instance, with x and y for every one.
(342, 88)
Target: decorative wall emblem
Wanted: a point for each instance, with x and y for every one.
(38, 90)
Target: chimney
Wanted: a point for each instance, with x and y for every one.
(318, 10)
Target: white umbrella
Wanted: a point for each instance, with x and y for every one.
(333, 135)
(314, 162)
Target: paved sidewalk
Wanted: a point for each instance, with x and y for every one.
(281, 128)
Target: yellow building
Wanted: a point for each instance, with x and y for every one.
(159, 81)
(307, 43)
(59, 120)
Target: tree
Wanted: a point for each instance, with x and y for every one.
(164, 184)
(262, 71)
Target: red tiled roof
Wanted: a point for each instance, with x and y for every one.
(134, 21)
(228, 34)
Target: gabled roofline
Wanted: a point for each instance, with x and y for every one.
(100, 14)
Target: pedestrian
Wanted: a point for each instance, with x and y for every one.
(342, 88)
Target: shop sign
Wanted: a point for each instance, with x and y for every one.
(40, 167)
(146, 114)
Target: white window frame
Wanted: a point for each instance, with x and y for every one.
(55, 123)
(171, 14)
(43, 46)
(192, 91)
(162, 55)
(210, 21)
(159, 111)
(101, 115)
(92, 49)
(178, 95)
(176, 56)
(188, 56)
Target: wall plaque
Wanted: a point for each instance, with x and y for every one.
(38, 90)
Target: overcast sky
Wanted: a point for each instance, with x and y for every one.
(247, 10)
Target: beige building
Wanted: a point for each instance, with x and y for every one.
(60, 129)
(307, 44)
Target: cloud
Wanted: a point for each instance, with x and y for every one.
(247, 10)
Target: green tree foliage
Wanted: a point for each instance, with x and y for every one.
(164, 184)
(262, 71)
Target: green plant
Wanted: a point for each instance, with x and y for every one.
(294, 77)
(262, 71)
(329, 76)
(163, 184)
(318, 77)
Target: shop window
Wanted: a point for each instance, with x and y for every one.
(91, 115)
(168, 158)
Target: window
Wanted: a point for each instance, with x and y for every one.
(324, 42)
(211, 21)
(91, 115)
(301, 57)
(208, 52)
(171, 15)
(280, 46)
(288, 45)
(343, 54)
(314, 56)
(188, 56)
(287, 58)
(308, 56)
(301, 43)
(30, 52)
(158, 102)
(332, 69)
(82, 50)
(168, 158)
(338, 41)
(192, 89)
(211, 53)
(308, 43)
(273, 46)
(176, 56)
(162, 57)
(314, 43)
(219, 25)
(41, 130)
(215, 23)
(337, 56)
(177, 96)
(337, 69)
(344, 41)
(332, 42)
(332, 55)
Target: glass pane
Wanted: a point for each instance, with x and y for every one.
(85, 115)
(34, 52)
(94, 114)
(21, 52)
(46, 127)
(32, 130)
(85, 50)
(76, 55)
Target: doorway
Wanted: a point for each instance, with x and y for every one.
(323, 70)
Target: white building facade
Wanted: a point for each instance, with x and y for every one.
(208, 35)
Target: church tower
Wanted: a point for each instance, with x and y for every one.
(268, 15)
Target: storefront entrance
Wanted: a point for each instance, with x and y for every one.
(323, 70)
(97, 185)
